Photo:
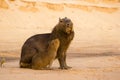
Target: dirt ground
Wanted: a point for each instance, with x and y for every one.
(83, 68)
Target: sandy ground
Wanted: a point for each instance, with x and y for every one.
(96, 25)
(94, 53)
(83, 68)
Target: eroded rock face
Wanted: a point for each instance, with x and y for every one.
(3, 4)
(35, 6)
(103, 1)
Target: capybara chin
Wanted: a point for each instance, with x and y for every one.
(38, 43)
(44, 59)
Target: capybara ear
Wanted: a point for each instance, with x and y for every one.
(65, 18)
(60, 20)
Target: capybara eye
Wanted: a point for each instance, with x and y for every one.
(67, 24)
(61, 21)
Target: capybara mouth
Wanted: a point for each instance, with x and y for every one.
(69, 30)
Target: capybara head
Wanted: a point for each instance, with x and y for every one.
(66, 25)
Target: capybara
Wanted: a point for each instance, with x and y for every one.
(39, 43)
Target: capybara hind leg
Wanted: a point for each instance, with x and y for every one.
(25, 65)
(50, 64)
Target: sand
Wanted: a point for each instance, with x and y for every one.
(83, 68)
(94, 53)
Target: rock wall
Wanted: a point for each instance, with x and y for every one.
(33, 6)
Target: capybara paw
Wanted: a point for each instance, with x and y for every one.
(65, 67)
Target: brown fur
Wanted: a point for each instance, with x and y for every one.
(42, 60)
(38, 43)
